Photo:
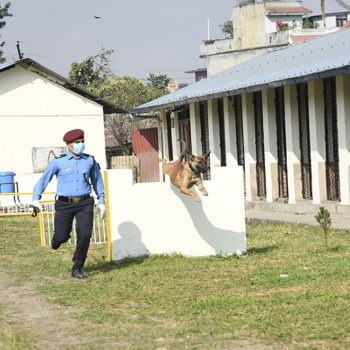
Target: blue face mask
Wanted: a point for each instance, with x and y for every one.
(78, 148)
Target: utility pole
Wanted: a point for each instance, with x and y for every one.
(208, 28)
(323, 13)
(20, 55)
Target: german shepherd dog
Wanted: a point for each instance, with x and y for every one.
(186, 171)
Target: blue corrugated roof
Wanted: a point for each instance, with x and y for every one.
(315, 59)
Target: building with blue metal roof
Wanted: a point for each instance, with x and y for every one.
(284, 116)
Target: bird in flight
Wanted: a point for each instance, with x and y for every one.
(97, 17)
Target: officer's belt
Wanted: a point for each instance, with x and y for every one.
(73, 199)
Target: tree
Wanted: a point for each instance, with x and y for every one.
(323, 217)
(307, 24)
(4, 12)
(157, 86)
(120, 127)
(126, 92)
(93, 71)
(159, 82)
(227, 29)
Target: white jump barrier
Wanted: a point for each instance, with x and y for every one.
(155, 218)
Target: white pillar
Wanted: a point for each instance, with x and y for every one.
(214, 134)
(175, 135)
(230, 132)
(270, 144)
(343, 111)
(195, 128)
(249, 146)
(317, 141)
(292, 140)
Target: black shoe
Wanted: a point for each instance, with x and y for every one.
(77, 273)
(55, 245)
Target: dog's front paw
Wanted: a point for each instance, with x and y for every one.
(205, 194)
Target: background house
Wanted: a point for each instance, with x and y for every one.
(37, 106)
(258, 27)
(283, 116)
(332, 20)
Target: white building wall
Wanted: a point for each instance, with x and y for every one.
(35, 112)
(331, 22)
(270, 22)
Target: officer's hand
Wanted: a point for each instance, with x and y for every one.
(35, 207)
(102, 211)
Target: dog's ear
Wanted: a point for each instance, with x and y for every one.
(207, 155)
(190, 156)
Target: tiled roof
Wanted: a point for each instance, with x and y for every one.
(301, 38)
(287, 9)
(346, 25)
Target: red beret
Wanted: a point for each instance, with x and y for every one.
(73, 135)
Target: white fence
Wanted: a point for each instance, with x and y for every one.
(155, 218)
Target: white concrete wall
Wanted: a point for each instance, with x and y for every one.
(155, 218)
(270, 22)
(36, 112)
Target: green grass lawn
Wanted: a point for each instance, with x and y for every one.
(288, 291)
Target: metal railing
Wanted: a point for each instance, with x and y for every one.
(18, 204)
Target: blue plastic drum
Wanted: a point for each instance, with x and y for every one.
(7, 182)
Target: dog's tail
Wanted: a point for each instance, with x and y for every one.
(163, 161)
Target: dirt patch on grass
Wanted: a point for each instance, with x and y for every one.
(50, 327)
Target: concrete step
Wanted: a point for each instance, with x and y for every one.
(301, 207)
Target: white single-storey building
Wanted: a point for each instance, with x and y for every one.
(284, 116)
(37, 106)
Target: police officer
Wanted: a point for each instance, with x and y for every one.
(74, 170)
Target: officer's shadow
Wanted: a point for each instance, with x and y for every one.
(128, 249)
(129, 245)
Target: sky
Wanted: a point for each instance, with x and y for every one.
(147, 36)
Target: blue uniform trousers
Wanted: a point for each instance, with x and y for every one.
(83, 211)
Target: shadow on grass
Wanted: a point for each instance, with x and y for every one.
(261, 250)
(107, 266)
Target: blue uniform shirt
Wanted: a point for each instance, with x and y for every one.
(73, 175)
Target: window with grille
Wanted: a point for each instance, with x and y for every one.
(304, 140)
(281, 143)
(259, 144)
